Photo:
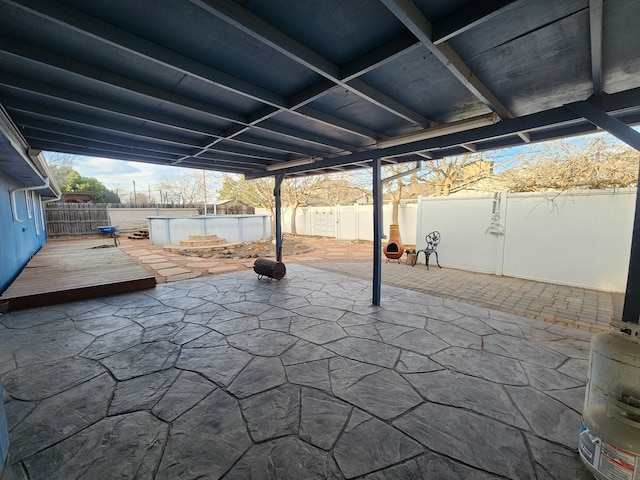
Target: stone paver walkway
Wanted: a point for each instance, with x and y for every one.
(585, 309)
(230, 377)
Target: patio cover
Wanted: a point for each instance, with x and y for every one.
(298, 87)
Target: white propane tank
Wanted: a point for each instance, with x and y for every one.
(610, 433)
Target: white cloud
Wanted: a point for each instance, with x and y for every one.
(121, 174)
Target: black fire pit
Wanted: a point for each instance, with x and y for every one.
(269, 268)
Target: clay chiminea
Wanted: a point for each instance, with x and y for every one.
(394, 249)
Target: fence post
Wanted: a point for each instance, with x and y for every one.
(419, 227)
(356, 220)
(501, 210)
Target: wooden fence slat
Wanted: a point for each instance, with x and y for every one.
(68, 219)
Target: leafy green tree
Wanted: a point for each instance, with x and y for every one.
(71, 181)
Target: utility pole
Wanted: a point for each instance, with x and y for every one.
(204, 188)
(135, 197)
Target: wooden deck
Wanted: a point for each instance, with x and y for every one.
(64, 271)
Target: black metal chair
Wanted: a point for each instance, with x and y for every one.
(433, 239)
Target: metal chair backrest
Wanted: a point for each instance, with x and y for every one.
(433, 239)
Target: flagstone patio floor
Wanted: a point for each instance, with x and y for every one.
(232, 377)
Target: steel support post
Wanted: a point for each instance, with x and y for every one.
(276, 193)
(377, 229)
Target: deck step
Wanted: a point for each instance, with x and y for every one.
(139, 234)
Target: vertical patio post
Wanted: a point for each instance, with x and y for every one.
(377, 229)
(631, 309)
(276, 193)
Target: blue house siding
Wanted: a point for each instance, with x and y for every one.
(18, 241)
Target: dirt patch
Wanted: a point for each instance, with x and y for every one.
(262, 248)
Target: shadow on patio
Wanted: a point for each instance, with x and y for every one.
(230, 377)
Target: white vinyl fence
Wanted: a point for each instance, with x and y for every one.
(580, 238)
(349, 222)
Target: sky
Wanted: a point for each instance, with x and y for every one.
(119, 175)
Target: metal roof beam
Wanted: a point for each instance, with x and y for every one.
(92, 27)
(53, 118)
(94, 74)
(281, 147)
(232, 149)
(445, 29)
(103, 77)
(257, 28)
(221, 160)
(214, 165)
(57, 116)
(254, 162)
(468, 17)
(126, 155)
(77, 21)
(300, 135)
(559, 116)
(595, 31)
(311, 93)
(234, 14)
(23, 84)
(422, 28)
(49, 131)
(612, 125)
(234, 134)
(378, 57)
(340, 123)
(548, 125)
(99, 150)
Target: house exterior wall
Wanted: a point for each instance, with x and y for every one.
(18, 241)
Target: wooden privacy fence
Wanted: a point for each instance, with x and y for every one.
(65, 219)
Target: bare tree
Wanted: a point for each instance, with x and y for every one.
(445, 173)
(394, 188)
(59, 159)
(298, 192)
(187, 188)
(341, 189)
(256, 193)
(563, 165)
